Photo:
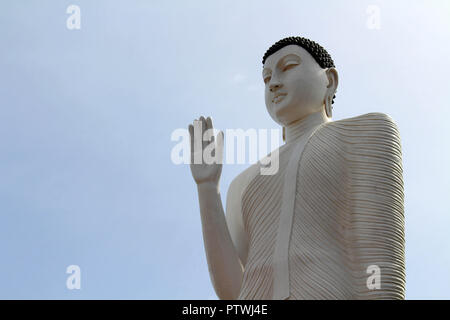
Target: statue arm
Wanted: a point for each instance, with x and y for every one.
(379, 209)
(377, 212)
(225, 269)
(224, 265)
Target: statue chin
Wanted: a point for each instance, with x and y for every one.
(287, 114)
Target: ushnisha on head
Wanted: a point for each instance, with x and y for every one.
(300, 79)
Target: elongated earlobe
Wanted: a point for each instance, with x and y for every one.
(333, 80)
(328, 106)
(284, 134)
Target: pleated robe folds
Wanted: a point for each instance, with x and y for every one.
(348, 220)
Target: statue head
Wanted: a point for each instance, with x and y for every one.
(300, 79)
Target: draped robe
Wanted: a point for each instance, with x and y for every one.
(348, 216)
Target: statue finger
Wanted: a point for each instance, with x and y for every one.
(209, 124)
(191, 135)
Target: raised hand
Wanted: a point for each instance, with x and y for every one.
(206, 156)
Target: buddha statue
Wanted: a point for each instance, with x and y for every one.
(331, 213)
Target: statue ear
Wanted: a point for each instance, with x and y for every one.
(333, 80)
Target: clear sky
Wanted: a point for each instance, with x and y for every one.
(86, 118)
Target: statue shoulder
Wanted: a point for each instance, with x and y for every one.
(373, 119)
(376, 126)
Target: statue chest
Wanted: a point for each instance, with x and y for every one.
(315, 238)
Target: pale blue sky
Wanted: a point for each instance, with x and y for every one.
(86, 117)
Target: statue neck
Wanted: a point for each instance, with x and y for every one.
(298, 128)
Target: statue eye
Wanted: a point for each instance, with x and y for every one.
(266, 79)
(290, 65)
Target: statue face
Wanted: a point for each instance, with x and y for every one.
(295, 85)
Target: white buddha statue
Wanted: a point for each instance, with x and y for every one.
(332, 213)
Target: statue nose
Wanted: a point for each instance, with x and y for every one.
(275, 87)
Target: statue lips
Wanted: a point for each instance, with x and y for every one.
(278, 97)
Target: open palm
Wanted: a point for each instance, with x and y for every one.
(202, 168)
